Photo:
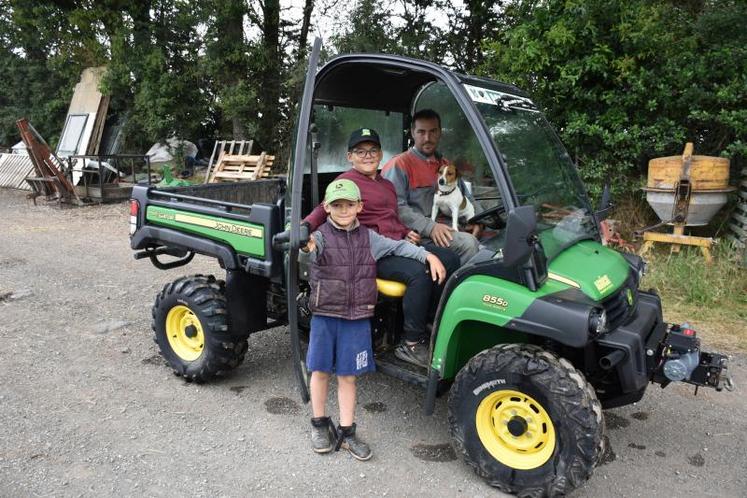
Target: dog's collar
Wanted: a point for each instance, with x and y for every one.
(441, 192)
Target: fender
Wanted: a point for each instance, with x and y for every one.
(555, 311)
(150, 236)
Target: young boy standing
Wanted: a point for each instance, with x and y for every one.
(343, 257)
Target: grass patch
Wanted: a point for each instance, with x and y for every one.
(712, 298)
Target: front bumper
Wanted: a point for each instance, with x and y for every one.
(638, 350)
(637, 338)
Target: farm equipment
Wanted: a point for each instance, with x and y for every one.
(685, 191)
(537, 334)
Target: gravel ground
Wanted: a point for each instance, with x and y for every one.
(88, 408)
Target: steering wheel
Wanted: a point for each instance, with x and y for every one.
(495, 212)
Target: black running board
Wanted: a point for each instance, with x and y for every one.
(389, 364)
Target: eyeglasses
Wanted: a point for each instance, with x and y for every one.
(361, 153)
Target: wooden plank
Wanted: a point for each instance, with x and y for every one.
(218, 165)
(212, 161)
(678, 239)
(231, 174)
(260, 166)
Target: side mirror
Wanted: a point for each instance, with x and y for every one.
(605, 204)
(281, 241)
(521, 227)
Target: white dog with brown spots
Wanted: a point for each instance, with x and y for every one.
(449, 199)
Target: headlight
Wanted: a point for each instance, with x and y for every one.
(642, 269)
(598, 322)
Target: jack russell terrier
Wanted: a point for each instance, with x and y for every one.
(448, 197)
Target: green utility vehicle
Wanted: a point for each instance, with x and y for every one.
(532, 338)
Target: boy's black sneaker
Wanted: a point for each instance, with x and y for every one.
(323, 435)
(348, 441)
(417, 353)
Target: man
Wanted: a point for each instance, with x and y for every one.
(380, 213)
(414, 174)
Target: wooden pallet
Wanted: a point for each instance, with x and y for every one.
(233, 167)
(239, 147)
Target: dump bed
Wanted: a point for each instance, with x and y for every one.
(233, 222)
(247, 193)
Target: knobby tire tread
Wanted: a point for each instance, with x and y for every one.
(205, 296)
(571, 394)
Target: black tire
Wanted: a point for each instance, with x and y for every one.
(198, 301)
(544, 388)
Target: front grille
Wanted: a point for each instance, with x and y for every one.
(617, 306)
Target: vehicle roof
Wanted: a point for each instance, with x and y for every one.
(386, 82)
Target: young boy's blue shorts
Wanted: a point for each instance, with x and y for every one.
(339, 346)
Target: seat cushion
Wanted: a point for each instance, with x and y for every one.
(390, 288)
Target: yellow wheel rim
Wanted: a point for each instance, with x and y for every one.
(184, 332)
(515, 429)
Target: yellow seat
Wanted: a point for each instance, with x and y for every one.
(390, 288)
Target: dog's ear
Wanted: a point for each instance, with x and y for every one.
(457, 173)
(452, 173)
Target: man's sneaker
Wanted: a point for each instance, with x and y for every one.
(417, 353)
(348, 441)
(323, 435)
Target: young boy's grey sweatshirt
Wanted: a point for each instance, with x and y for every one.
(380, 247)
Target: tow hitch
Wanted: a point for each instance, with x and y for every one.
(680, 359)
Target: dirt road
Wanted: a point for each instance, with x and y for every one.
(88, 408)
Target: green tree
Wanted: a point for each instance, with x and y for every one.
(227, 63)
(38, 74)
(625, 81)
(155, 72)
(366, 28)
(471, 25)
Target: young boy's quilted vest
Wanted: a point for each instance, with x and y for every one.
(343, 279)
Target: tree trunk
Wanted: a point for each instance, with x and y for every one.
(239, 130)
(270, 77)
(305, 25)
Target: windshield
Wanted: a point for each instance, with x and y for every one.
(541, 171)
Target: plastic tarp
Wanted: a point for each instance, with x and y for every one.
(174, 147)
(20, 148)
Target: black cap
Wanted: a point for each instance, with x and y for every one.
(363, 135)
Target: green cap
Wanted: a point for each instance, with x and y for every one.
(342, 189)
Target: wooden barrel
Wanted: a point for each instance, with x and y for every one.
(705, 173)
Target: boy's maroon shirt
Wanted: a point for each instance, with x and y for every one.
(379, 206)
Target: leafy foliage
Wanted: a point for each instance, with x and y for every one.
(622, 81)
(627, 81)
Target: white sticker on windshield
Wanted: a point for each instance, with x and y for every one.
(494, 97)
(482, 95)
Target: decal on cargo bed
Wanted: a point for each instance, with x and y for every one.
(223, 226)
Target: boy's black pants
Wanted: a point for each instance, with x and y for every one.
(422, 293)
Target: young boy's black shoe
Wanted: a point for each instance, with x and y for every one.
(347, 440)
(323, 435)
(417, 353)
